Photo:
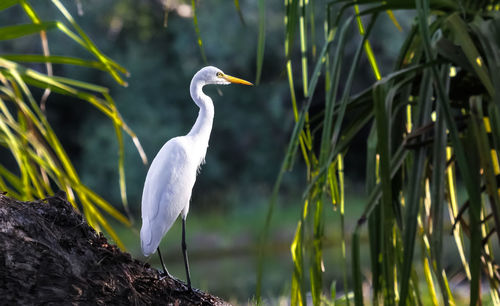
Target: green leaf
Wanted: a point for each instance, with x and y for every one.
(460, 32)
(356, 269)
(12, 32)
(37, 58)
(7, 3)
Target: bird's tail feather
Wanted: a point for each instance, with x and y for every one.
(146, 235)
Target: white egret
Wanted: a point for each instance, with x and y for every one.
(172, 174)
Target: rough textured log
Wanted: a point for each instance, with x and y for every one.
(49, 255)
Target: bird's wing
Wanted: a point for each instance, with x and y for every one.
(167, 190)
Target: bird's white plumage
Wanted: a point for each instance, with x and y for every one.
(167, 191)
(171, 177)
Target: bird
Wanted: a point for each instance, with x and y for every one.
(172, 174)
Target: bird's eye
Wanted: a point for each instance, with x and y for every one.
(219, 74)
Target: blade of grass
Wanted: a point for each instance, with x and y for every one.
(387, 220)
(459, 29)
(340, 163)
(303, 45)
(437, 200)
(412, 200)
(356, 269)
(54, 59)
(17, 31)
(368, 48)
(261, 41)
(111, 65)
(238, 10)
(7, 3)
(298, 285)
(197, 31)
(469, 176)
(484, 151)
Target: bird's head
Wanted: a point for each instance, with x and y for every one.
(213, 75)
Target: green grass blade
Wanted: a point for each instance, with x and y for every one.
(7, 3)
(430, 282)
(437, 200)
(238, 10)
(485, 156)
(303, 45)
(332, 95)
(387, 214)
(348, 86)
(111, 65)
(290, 25)
(367, 45)
(340, 167)
(261, 41)
(469, 176)
(54, 59)
(13, 32)
(414, 190)
(356, 269)
(198, 33)
(459, 30)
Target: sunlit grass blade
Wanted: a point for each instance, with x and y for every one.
(316, 250)
(104, 205)
(298, 282)
(198, 33)
(54, 59)
(484, 151)
(368, 48)
(111, 65)
(391, 15)
(59, 84)
(430, 282)
(12, 180)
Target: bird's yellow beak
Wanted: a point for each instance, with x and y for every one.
(235, 80)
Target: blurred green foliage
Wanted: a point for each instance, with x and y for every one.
(249, 130)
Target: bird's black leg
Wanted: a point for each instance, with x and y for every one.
(184, 253)
(165, 272)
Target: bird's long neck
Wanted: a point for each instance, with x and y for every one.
(200, 132)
